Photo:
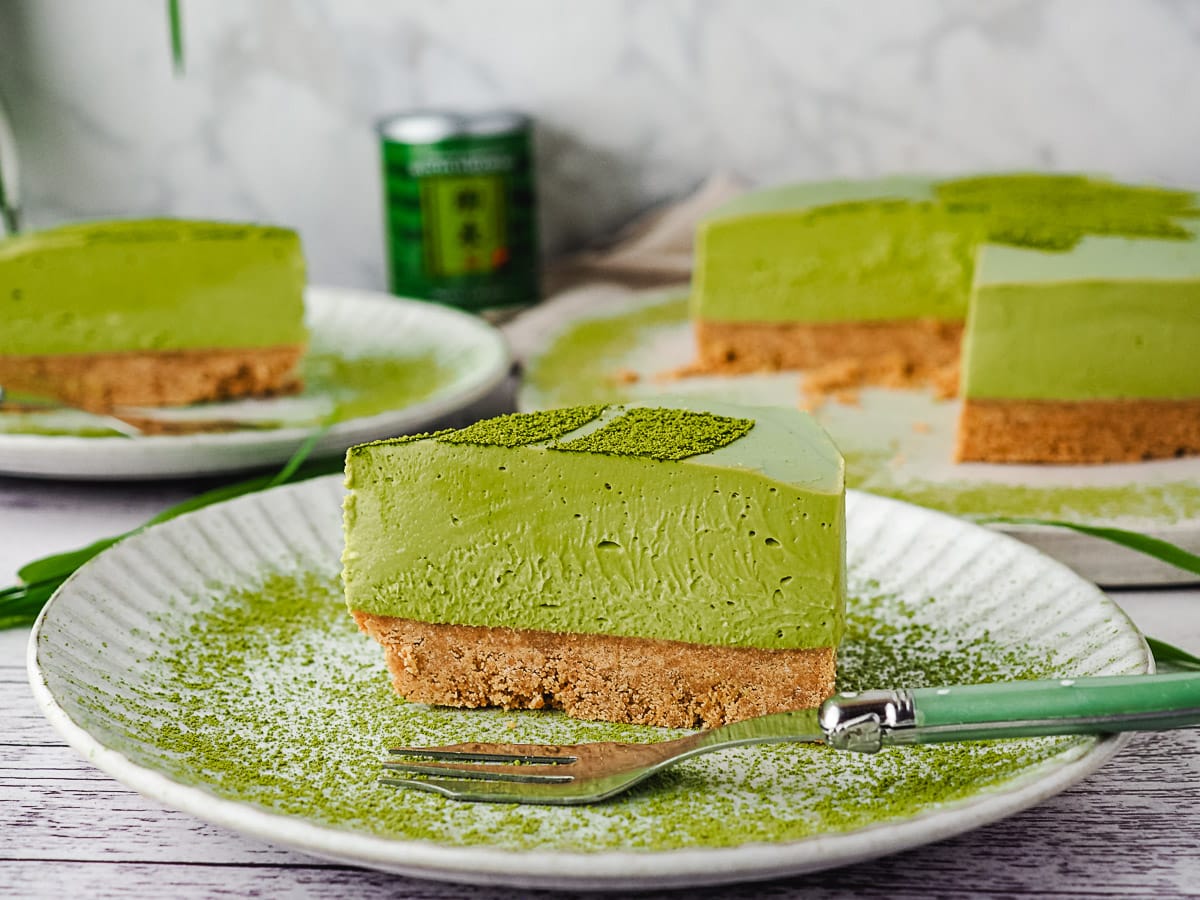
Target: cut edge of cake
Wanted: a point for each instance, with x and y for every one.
(1076, 431)
(611, 677)
(1082, 357)
(643, 681)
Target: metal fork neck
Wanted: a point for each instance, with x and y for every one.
(861, 721)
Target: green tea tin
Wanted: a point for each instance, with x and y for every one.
(461, 212)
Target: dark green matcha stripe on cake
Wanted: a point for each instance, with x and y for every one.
(519, 429)
(664, 434)
(1053, 212)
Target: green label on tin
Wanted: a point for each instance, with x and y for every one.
(466, 232)
(462, 217)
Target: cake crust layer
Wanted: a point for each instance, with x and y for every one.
(915, 348)
(100, 381)
(1092, 431)
(618, 679)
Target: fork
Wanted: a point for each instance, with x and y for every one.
(863, 722)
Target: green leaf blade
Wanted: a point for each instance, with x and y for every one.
(1168, 656)
(60, 565)
(1164, 551)
(23, 608)
(175, 20)
(20, 604)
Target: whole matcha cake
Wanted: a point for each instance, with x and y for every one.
(151, 312)
(1080, 297)
(648, 564)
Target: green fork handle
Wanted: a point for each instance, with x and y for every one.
(1064, 706)
(1098, 705)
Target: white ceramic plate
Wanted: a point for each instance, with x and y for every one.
(210, 664)
(377, 364)
(896, 443)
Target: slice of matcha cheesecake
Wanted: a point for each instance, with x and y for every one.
(641, 563)
(1084, 356)
(151, 312)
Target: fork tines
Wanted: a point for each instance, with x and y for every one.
(527, 764)
(530, 773)
(539, 756)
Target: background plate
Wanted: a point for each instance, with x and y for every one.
(209, 662)
(588, 345)
(377, 366)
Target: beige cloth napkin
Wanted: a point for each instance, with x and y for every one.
(652, 251)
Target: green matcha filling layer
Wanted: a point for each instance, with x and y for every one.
(863, 261)
(150, 285)
(738, 545)
(1114, 319)
(901, 248)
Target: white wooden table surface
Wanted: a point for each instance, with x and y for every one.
(67, 830)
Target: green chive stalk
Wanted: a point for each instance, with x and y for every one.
(175, 20)
(21, 603)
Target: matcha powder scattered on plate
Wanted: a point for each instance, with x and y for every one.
(270, 696)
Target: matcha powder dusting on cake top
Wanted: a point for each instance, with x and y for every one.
(663, 434)
(520, 429)
(1054, 212)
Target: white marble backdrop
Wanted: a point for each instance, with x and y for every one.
(636, 101)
